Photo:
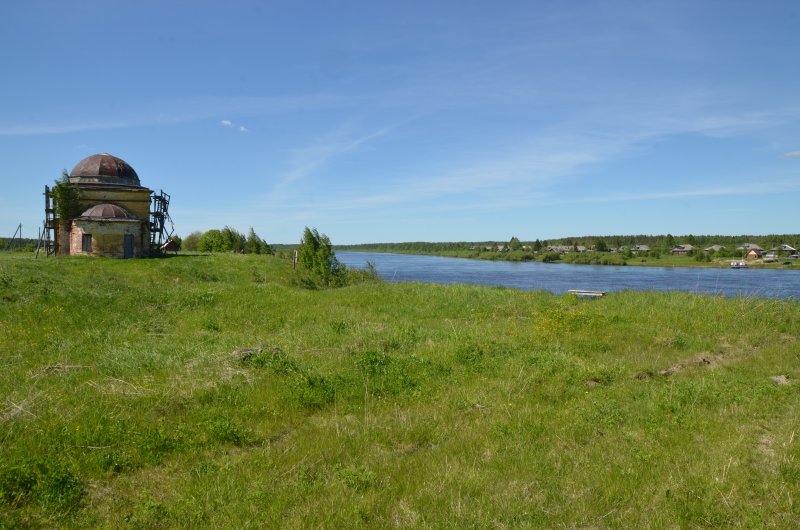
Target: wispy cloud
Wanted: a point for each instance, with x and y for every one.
(760, 188)
(791, 154)
(185, 110)
(306, 160)
(230, 124)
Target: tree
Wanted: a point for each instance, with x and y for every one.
(537, 246)
(65, 198)
(514, 244)
(190, 242)
(600, 245)
(256, 245)
(316, 257)
(211, 241)
(669, 243)
(233, 240)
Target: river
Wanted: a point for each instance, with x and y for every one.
(558, 277)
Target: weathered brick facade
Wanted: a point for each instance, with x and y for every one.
(108, 238)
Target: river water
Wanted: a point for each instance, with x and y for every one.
(559, 277)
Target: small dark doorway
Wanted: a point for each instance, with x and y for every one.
(127, 246)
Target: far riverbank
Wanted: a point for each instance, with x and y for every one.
(558, 278)
(586, 258)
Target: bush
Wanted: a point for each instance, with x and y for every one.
(226, 240)
(318, 262)
(190, 242)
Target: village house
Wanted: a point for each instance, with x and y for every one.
(748, 246)
(635, 249)
(782, 250)
(682, 250)
(751, 250)
(713, 248)
(564, 249)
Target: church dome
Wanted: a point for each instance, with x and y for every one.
(103, 169)
(105, 211)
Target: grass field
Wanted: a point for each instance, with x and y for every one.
(212, 391)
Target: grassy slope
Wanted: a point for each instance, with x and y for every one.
(400, 405)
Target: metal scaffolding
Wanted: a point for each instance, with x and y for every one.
(159, 216)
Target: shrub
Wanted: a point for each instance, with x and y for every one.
(317, 259)
(190, 242)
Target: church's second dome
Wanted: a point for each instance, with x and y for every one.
(105, 211)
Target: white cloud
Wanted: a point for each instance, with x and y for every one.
(791, 154)
(760, 188)
(185, 110)
(242, 128)
(308, 159)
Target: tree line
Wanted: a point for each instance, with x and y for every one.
(662, 243)
(224, 240)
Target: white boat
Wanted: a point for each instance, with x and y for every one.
(580, 293)
(738, 265)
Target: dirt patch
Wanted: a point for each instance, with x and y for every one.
(243, 354)
(592, 383)
(779, 379)
(708, 360)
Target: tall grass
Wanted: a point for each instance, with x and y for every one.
(213, 391)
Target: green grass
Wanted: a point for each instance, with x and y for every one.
(213, 391)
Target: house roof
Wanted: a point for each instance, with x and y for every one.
(748, 246)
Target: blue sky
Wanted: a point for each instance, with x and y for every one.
(414, 121)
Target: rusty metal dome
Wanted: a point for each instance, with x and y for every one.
(104, 169)
(105, 211)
